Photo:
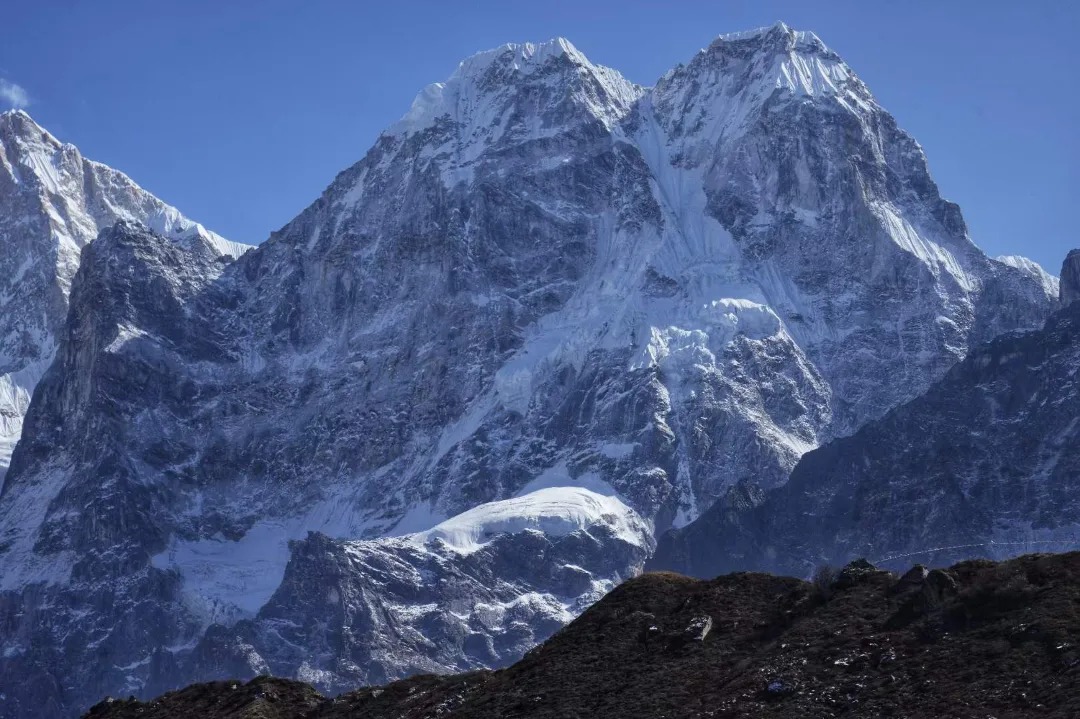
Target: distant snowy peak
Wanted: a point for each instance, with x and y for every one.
(34, 159)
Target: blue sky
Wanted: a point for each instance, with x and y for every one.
(240, 113)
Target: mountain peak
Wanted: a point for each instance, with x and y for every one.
(550, 292)
(483, 84)
(19, 124)
(526, 57)
(15, 115)
(797, 39)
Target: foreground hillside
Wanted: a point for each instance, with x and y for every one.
(979, 639)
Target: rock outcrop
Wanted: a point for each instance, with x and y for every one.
(53, 202)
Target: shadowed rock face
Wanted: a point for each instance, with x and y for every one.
(53, 202)
(986, 463)
(543, 276)
(868, 645)
(1070, 278)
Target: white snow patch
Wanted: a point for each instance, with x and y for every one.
(613, 450)
(555, 511)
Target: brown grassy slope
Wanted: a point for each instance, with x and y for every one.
(980, 639)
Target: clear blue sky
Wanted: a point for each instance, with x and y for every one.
(240, 113)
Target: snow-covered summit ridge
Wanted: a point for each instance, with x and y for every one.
(1049, 282)
(750, 66)
(803, 38)
(19, 122)
(527, 92)
(528, 57)
(816, 70)
(483, 79)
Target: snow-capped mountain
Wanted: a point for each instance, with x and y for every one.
(53, 202)
(986, 463)
(544, 277)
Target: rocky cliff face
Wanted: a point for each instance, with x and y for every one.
(542, 277)
(1070, 278)
(985, 463)
(53, 201)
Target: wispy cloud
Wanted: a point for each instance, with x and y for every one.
(13, 95)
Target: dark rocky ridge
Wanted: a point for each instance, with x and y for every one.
(979, 639)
